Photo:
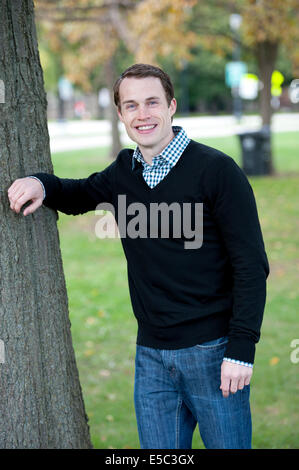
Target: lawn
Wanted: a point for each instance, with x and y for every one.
(104, 328)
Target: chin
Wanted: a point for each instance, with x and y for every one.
(147, 143)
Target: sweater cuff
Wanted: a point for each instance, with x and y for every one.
(240, 349)
(44, 191)
(50, 184)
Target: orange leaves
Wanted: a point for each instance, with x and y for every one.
(159, 29)
(270, 20)
(87, 34)
(217, 44)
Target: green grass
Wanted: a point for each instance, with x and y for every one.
(104, 328)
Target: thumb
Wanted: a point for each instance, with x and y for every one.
(32, 208)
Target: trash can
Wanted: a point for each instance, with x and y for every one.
(256, 152)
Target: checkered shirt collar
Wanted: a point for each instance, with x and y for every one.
(170, 154)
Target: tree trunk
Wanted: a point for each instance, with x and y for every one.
(266, 57)
(110, 77)
(266, 54)
(41, 402)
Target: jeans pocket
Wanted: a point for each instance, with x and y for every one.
(214, 343)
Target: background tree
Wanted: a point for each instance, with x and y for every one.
(175, 30)
(41, 402)
(101, 31)
(267, 27)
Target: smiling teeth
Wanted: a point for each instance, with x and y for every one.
(145, 128)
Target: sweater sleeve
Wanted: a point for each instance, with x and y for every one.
(77, 196)
(234, 210)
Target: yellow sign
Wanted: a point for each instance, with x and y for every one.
(276, 82)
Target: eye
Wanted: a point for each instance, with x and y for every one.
(153, 102)
(130, 106)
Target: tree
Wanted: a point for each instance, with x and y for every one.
(41, 402)
(266, 26)
(146, 29)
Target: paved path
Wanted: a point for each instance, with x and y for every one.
(73, 135)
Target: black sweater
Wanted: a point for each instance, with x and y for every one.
(182, 297)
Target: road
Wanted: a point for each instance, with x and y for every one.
(83, 134)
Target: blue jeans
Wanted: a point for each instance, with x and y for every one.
(176, 389)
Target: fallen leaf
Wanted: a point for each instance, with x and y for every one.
(274, 360)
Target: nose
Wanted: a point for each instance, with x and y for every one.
(143, 113)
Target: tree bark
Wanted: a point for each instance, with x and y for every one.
(110, 77)
(266, 53)
(41, 402)
(266, 57)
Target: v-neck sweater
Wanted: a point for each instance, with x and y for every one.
(183, 297)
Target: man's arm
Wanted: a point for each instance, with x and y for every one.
(234, 210)
(71, 196)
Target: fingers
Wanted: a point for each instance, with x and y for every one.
(234, 377)
(234, 385)
(231, 386)
(225, 386)
(247, 380)
(14, 192)
(30, 209)
(241, 384)
(17, 201)
(23, 190)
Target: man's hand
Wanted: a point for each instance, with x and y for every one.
(23, 190)
(234, 377)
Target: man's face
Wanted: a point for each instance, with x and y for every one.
(145, 113)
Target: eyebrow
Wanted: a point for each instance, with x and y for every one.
(147, 99)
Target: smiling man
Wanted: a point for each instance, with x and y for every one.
(147, 118)
(200, 310)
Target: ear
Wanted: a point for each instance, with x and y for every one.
(172, 106)
(119, 114)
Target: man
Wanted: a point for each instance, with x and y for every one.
(199, 310)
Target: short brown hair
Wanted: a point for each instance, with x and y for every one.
(143, 71)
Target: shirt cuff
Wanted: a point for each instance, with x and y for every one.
(235, 361)
(40, 183)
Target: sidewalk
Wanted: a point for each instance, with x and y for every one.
(72, 135)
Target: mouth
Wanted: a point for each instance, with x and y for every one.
(146, 128)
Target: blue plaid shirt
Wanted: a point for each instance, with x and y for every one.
(161, 165)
